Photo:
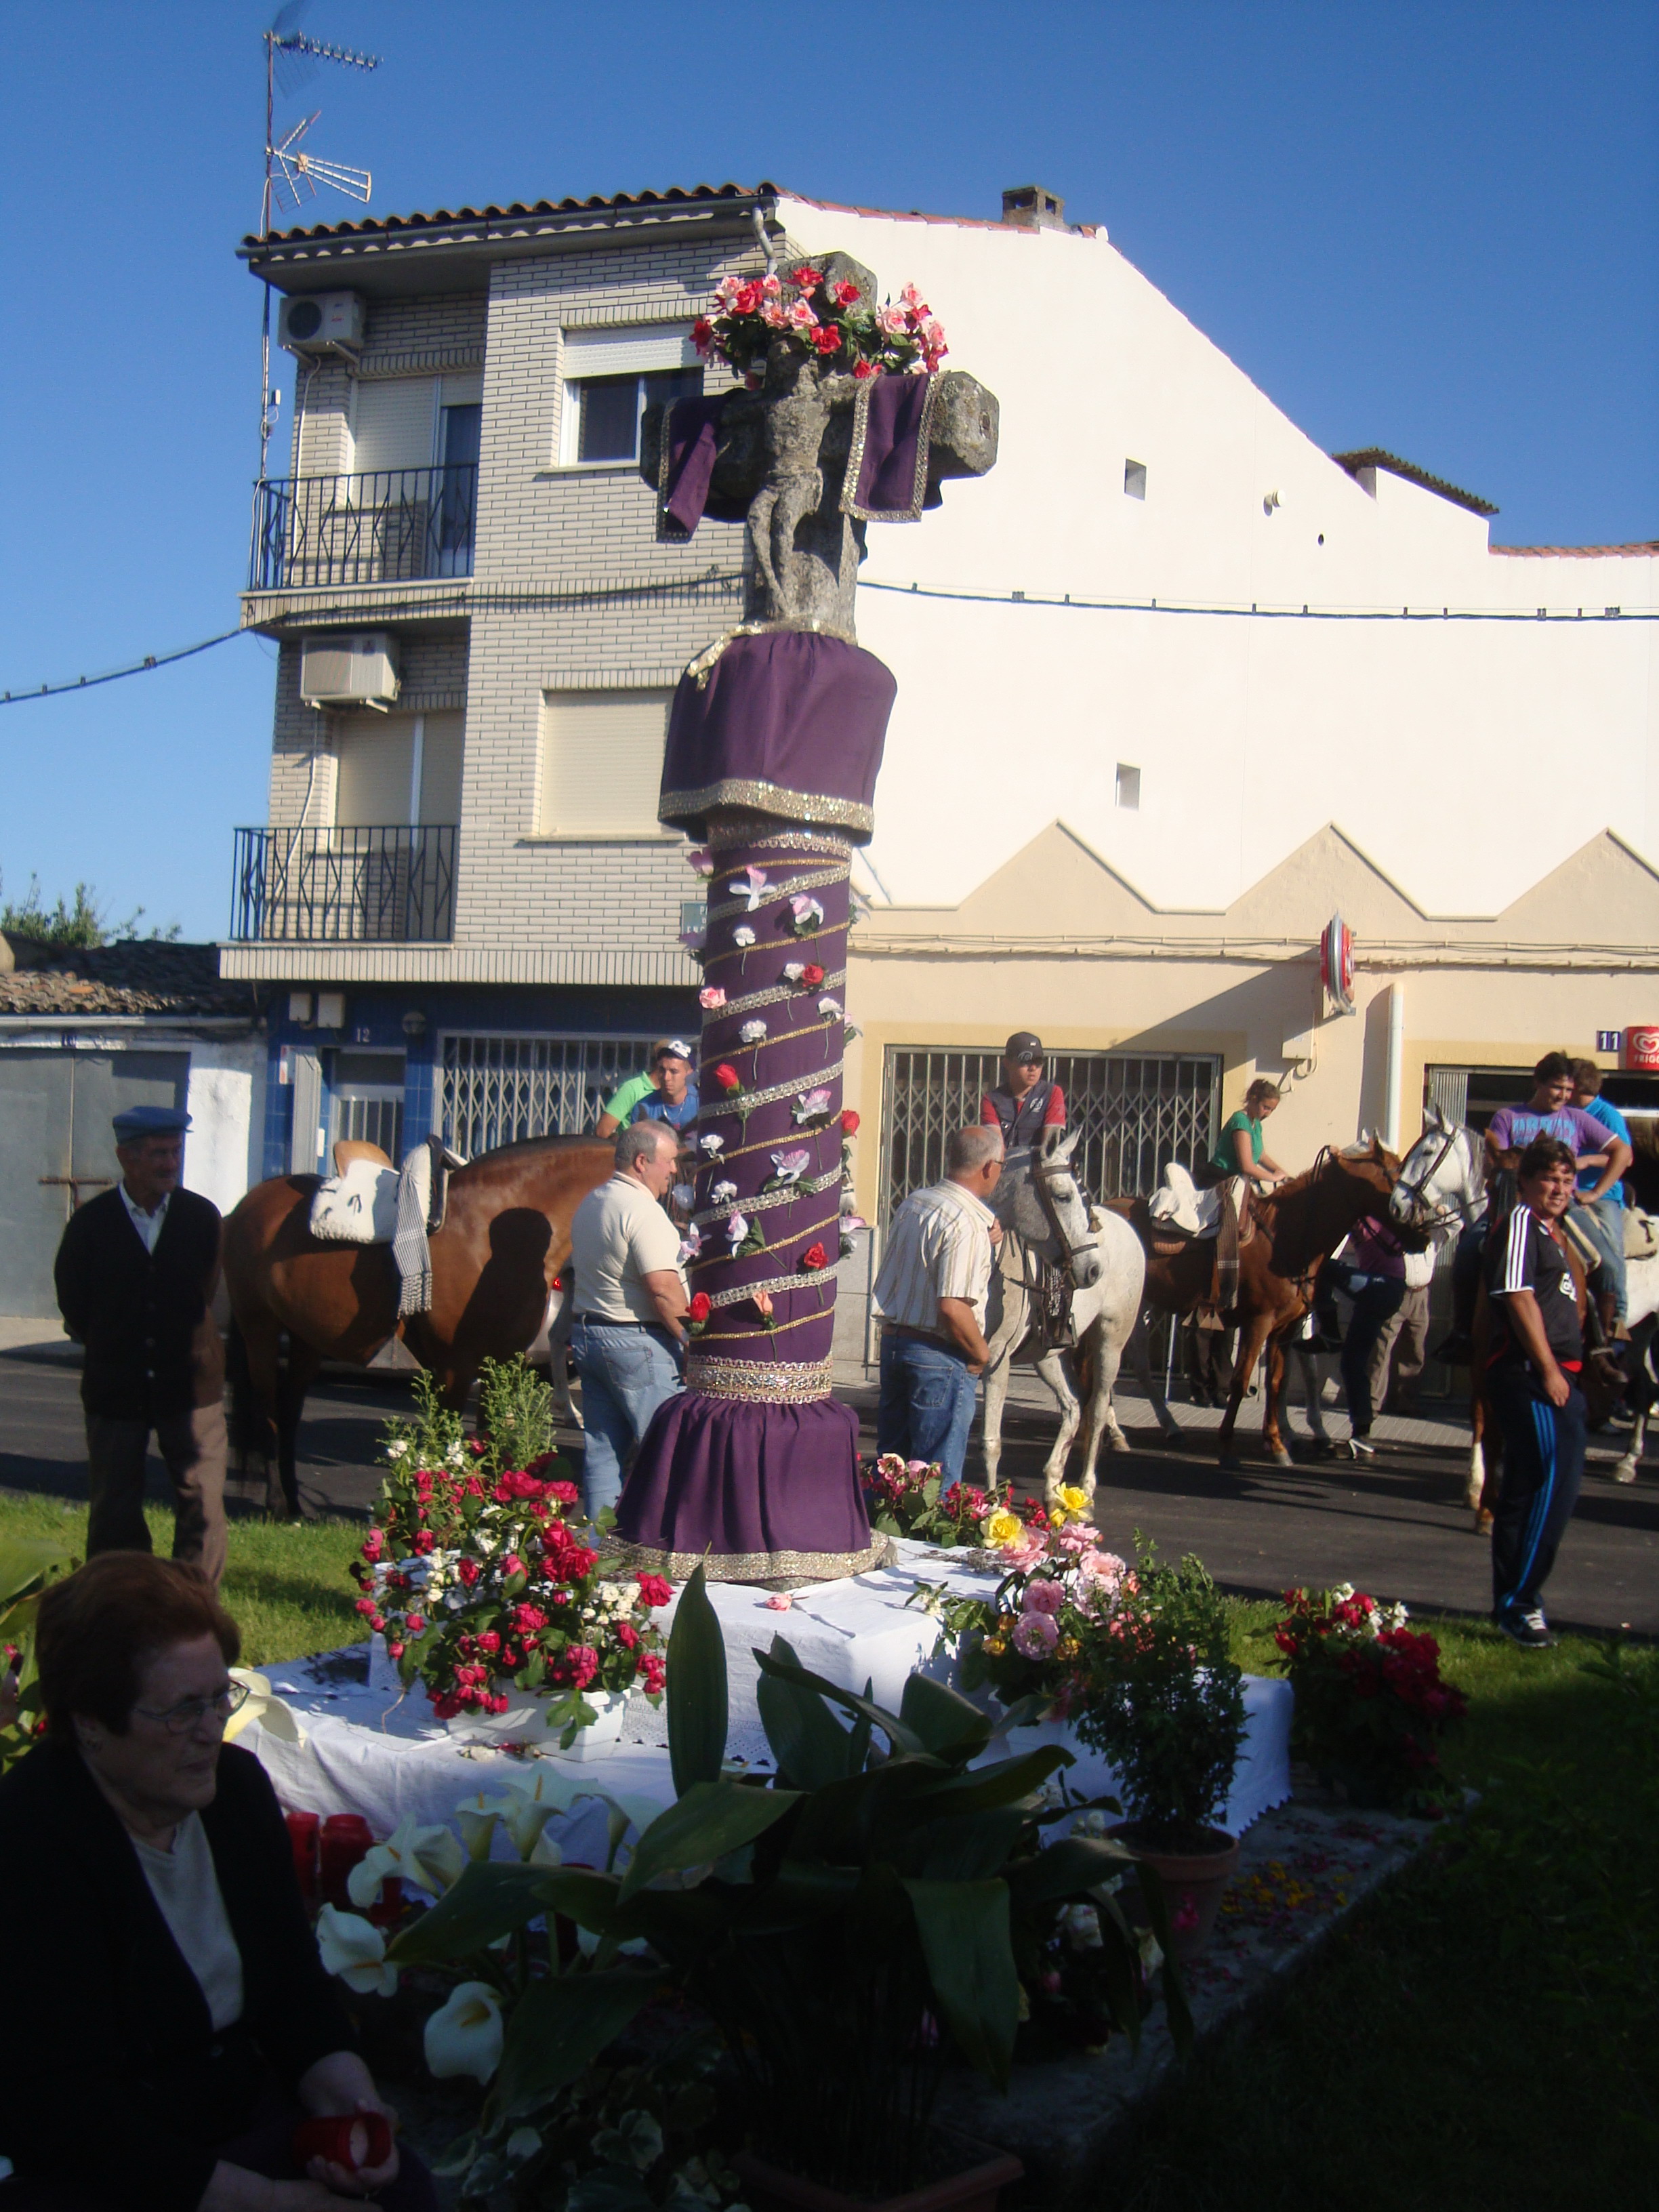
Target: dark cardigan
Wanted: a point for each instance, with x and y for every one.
(114, 2086)
(152, 1349)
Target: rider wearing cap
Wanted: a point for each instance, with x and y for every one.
(1022, 1106)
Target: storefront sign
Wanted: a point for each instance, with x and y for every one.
(1641, 1052)
(1609, 1040)
(1336, 964)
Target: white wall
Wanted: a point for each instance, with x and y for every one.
(226, 1106)
(1249, 734)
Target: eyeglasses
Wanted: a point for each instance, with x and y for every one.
(189, 1712)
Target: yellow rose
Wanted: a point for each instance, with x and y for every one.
(1003, 1529)
(996, 1645)
(1057, 1518)
(1075, 1501)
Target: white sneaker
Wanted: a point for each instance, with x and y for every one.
(1361, 1448)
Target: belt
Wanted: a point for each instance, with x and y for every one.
(605, 1321)
(932, 1336)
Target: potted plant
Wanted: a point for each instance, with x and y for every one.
(850, 1924)
(1155, 1690)
(909, 1498)
(483, 1585)
(1371, 1700)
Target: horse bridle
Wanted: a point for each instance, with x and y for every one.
(1044, 1175)
(1414, 1191)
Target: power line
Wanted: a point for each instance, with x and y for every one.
(114, 675)
(1257, 613)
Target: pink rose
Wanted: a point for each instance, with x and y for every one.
(1044, 1596)
(1035, 1636)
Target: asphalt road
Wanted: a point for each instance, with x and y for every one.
(1394, 1525)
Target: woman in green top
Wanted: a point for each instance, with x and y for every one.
(1239, 1151)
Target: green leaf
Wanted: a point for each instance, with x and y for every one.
(945, 1720)
(711, 1819)
(901, 1737)
(966, 1941)
(1004, 1782)
(492, 1898)
(558, 2028)
(590, 1900)
(696, 1688)
(809, 1743)
(26, 1560)
(1069, 1868)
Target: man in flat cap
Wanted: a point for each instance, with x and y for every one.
(137, 1274)
(1023, 1105)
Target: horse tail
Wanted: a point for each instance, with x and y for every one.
(245, 1425)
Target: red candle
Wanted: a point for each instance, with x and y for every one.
(353, 2140)
(302, 1829)
(346, 1838)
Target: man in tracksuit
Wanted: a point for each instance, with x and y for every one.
(1534, 1360)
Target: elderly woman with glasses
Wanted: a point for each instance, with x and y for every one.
(172, 2022)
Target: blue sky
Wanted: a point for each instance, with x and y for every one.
(1433, 228)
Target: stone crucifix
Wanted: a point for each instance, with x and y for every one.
(782, 453)
(775, 741)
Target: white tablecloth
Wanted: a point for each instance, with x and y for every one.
(370, 1753)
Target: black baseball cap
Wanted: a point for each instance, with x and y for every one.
(1023, 1045)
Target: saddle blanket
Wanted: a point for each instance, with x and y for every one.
(1180, 1206)
(360, 1206)
(374, 1205)
(1641, 1234)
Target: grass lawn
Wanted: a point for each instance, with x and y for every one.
(1481, 2033)
(285, 1583)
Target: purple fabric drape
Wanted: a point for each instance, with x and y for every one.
(689, 445)
(890, 441)
(790, 723)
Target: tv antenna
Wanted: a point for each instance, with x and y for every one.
(293, 173)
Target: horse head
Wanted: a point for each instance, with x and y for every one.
(1440, 1178)
(1038, 1199)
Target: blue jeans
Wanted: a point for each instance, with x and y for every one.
(926, 1404)
(626, 1374)
(1604, 1217)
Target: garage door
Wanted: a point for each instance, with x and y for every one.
(57, 1149)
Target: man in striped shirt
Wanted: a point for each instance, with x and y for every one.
(931, 1293)
(1534, 1359)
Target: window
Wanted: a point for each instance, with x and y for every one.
(611, 377)
(1129, 787)
(602, 762)
(397, 769)
(1134, 479)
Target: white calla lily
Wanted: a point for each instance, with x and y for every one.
(465, 2035)
(523, 1818)
(414, 1854)
(546, 1852)
(355, 1950)
(476, 1817)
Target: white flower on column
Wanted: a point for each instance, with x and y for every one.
(742, 936)
(794, 971)
(751, 1032)
(751, 886)
(805, 913)
(736, 1229)
(811, 1106)
(711, 998)
(354, 1949)
(700, 860)
(723, 1194)
(790, 1167)
(831, 1008)
(712, 1145)
(691, 1243)
(466, 2035)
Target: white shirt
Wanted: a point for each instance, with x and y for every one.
(621, 1234)
(186, 1885)
(148, 1226)
(939, 1247)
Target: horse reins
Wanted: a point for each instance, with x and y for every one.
(1043, 1175)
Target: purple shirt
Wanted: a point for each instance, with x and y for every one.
(1514, 1127)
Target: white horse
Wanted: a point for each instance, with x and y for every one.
(1044, 1214)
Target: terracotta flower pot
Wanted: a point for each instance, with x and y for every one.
(1193, 1884)
(975, 2188)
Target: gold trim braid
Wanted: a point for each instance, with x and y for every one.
(764, 1567)
(675, 806)
(855, 460)
(754, 1381)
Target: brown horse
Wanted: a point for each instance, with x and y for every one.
(1295, 1230)
(506, 1235)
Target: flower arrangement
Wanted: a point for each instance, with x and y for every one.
(907, 1498)
(1371, 1700)
(832, 321)
(478, 1578)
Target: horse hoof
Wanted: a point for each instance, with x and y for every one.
(1625, 1471)
(1482, 1523)
(1282, 1458)
(1118, 1442)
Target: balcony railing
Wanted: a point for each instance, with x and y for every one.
(387, 526)
(345, 886)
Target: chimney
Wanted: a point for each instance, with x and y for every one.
(1032, 207)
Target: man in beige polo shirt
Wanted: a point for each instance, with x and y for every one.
(630, 1302)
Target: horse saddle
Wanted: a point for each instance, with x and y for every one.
(372, 1202)
(1181, 1214)
(1641, 1234)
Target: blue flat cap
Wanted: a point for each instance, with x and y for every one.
(150, 1122)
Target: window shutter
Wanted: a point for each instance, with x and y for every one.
(602, 762)
(377, 759)
(441, 768)
(629, 352)
(392, 423)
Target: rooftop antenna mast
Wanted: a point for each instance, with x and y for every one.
(293, 173)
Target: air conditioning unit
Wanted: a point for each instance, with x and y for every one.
(358, 670)
(316, 323)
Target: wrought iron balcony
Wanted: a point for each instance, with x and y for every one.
(345, 886)
(387, 526)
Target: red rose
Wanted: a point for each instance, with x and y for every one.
(702, 333)
(654, 1590)
(701, 1306)
(844, 294)
(468, 1571)
(814, 1257)
(863, 370)
(415, 1623)
(807, 279)
(827, 338)
(727, 1077)
(811, 975)
(364, 1605)
(653, 1668)
(490, 1641)
(747, 301)
(394, 1650)
(849, 1123)
(566, 1492)
(626, 1636)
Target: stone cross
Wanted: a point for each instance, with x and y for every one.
(783, 453)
